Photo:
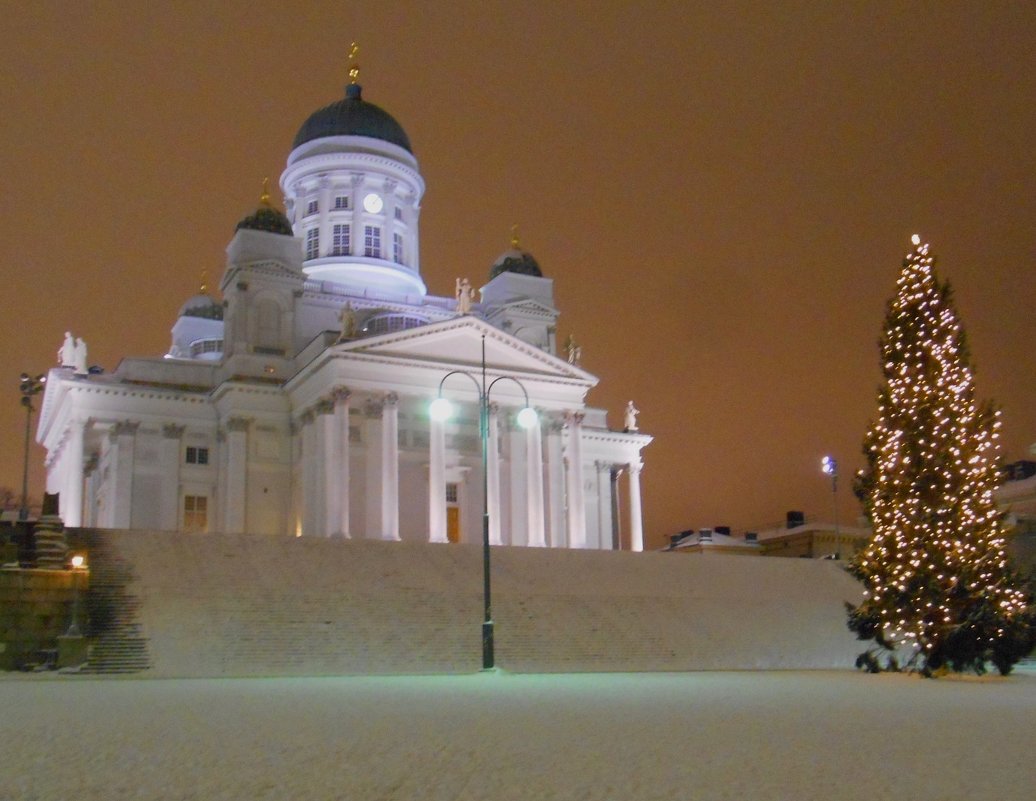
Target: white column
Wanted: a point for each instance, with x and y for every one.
(341, 486)
(327, 448)
(493, 477)
(636, 524)
(307, 437)
(555, 486)
(390, 467)
(372, 468)
(519, 482)
(437, 481)
(71, 500)
(574, 483)
(90, 473)
(235, 518)
(324, 199)
(534, 490)
(123, 437)
(169, 500)
(604, 505)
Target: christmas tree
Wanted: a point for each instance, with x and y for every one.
(939, 593)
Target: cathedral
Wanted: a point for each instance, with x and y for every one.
(297, 402)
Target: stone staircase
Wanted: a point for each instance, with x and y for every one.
(112, 605)
(165, 604)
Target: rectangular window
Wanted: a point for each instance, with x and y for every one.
(372, 241)
(399, 213)
(195, 513)
(311, 207)
(340, 243)
(197, 455)
(342, 202)
(397, 248)
(451, 493)
(312, 243)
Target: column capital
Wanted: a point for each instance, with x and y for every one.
(602, 466)
(306, 417)
(372, 409)
(326, 406)
(340, 395)
(635, 468)
(574, 418)
(390, 399)
(172, 431)
(125, 427)
(356, 179)
(238, 424)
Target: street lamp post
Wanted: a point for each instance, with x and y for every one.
(441, 410)
(830, 467)
(77, 566)
(28, 386)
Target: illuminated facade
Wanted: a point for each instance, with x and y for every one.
(297, 402)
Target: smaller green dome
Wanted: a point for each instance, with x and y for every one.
(267, 218)
(202, 306)
(515, 261)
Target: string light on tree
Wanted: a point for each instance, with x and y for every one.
(939, 593)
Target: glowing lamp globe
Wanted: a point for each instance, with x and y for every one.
(527, 417)
(828, 465)
(440, 410)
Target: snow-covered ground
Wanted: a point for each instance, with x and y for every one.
(791, 736)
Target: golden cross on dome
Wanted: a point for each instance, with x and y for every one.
(264, 198)
(204, 281)
(514, 237)
(354, 67)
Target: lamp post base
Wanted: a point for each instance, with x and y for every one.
(488, 662)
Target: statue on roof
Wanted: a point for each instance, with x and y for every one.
(347, 319)
(67, 351)
(631, 418)
(573, 351)
(465, 296)
(79, 357)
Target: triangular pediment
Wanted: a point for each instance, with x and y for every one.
(459, 342)
(531, 308)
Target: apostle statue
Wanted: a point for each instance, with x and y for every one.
(574, 351)
(67, 351)
(79, 357)
(631, 417)
(465, 296)
(347, 318)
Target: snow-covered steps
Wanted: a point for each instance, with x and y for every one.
(245, 605)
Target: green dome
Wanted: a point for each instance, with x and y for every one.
(515, 261)
(267, 218)
(352, 116)
(202, 306)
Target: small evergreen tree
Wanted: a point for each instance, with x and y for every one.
(939, 592)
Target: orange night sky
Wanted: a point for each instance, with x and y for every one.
(721, 192)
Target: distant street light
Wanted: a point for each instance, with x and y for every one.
(28, 386)
(441, 410)
(77, 566)
(830, 467)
